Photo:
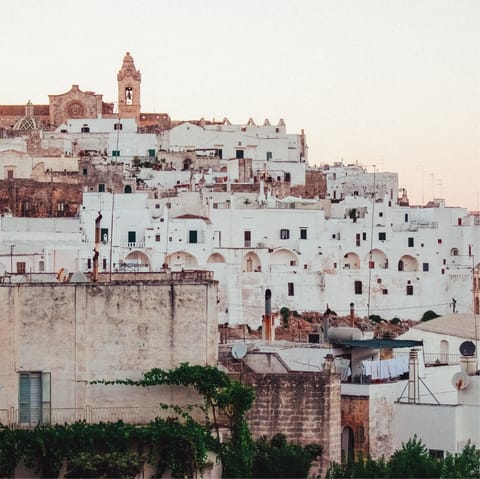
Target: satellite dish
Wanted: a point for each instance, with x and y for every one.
(467, 348)
(239, 350)
(460, 380)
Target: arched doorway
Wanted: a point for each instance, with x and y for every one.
(348, 445)
(136, 261)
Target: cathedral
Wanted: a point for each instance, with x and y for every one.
(17, 120)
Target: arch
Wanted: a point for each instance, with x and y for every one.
(348, 445)
(444, 351)
(216, 258)
(127, 189)
(181, 260)
(351, 261)
(407, 263)
(136, 261)
(284, 257)
(377, 259)
(454, 252)
(251, 262)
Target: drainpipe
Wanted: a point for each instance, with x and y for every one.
(352, 315)
(268, 332)
(96, 251)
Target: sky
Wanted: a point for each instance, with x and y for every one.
(395, 84)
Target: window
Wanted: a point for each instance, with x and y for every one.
(89, 263)
(269, 155)
(382, 236)
(104, 263)
(425, 267)
(115, 152)
(132, 236)
(21, 267)
(151, 153)
(127, 189)
(101, 187)
(34, 398)
(85, 129)
(284, 234)
(411, 242)
(439, 241)
(239, 153)
(409, 289)
(85, 171)
(384, 291)
(364, 236)
(358, 287)
(60, 206)
(357, 239)
(41, 266)
(104, 234)
(406, 217)
(129, 95)
(219, 153)
(247, 239)
(193, 236)
(303, 233)
(10, 174)
(118, 126)
(291, 289)
(157, 238)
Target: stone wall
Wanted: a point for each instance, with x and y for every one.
(23, 197)
(304, 406)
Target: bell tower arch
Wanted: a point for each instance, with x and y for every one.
(129, 80)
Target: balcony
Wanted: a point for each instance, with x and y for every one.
(89, 414)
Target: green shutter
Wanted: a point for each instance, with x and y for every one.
(192, 236)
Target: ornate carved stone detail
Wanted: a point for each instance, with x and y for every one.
(75, 109)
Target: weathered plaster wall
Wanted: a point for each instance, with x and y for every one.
(85, 332)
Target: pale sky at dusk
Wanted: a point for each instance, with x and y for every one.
(391, 83)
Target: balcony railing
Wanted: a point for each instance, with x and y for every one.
(89, 414)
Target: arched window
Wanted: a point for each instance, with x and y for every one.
(127, 189)
(400, 265)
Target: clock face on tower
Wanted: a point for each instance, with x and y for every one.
(129, 95)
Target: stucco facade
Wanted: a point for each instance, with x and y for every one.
(82, 332)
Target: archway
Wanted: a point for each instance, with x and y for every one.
(181, 260)
(351, 261)
(136, 261)
(251, 263)
(348, 445)
(216, 258)
(377, 259)
(407, 263)
(127, 189)
(283, 257)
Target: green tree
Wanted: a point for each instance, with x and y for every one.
(464, 465)
(279, 458)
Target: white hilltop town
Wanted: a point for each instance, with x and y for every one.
(114, 218)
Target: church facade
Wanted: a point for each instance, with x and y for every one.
(76, 104)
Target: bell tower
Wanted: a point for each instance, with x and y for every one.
(129, 79)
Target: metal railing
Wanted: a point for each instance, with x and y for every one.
(89, 414)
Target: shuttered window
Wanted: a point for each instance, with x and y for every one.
(34, 398)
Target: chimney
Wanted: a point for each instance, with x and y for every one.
(268, 332)
(413, 378)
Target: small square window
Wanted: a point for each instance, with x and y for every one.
(157, 238)
(382, 236)
(384, 291)
(364, 236)
(284, 234)
(303, 233)
(193, 236)
(358, 287)
(426, 266)
(439, 241)
(409, 290)
(411, 242)
(380, 214)
(101, 187)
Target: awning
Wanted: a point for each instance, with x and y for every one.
(380, 343)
